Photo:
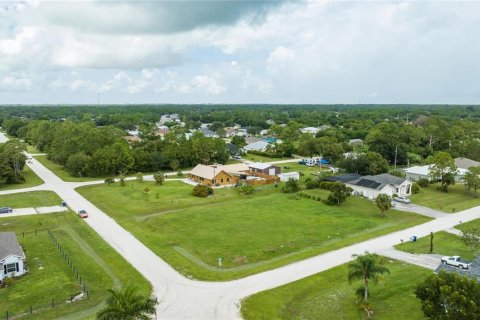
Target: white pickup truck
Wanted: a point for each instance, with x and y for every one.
(456, 261)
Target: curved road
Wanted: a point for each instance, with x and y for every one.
(182, 298)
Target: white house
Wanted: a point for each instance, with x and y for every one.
(371, 186)
(416, 173)
(257, 146)
(12, 257)
(289, 176)
(311, 130)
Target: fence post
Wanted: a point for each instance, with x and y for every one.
(53, 303)
(7, 315)
(31, 310)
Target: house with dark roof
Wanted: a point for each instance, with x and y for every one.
(12, 257)
(371, 186)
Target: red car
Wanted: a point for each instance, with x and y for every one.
(83, 214)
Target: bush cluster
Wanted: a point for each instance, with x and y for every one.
(202, 191)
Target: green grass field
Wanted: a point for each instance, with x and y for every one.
(456, 199)
(251, 233)
(61, 172)
(444, 243)
(254, 157)
(329, 296)
(32, 149)
(31, 180)
(30, 199)
(49, 275)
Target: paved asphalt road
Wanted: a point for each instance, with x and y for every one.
(182, 298)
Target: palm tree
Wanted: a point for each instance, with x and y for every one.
(366, 267)
(127, 305)
(384, 202)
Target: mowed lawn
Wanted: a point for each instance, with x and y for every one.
(329, 296)
(456, 199)
(50, 278)
(250, 233)
(254, 157)
(31, 180)
(30, 199)
(444, 243)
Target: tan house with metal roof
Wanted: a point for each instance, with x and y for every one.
(218, 175)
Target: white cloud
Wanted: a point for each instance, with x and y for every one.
(208, 84)
(15, 82)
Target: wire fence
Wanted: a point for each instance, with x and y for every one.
(52, 304)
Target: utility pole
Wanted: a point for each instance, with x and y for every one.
(396, 151)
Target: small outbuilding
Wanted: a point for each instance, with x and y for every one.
(265, 168)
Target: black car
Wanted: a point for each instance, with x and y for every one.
(6, 210)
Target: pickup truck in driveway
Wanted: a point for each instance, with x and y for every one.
(456, 261)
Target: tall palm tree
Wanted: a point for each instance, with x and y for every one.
(366, 267)
(127, 305)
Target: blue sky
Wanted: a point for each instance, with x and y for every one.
(239, 52)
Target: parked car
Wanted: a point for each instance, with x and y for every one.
(236, 157)
(6, 210)
(83, 214)
(456, 261)
(401, 199)
(301, 162)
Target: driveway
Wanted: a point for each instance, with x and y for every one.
(31, 211)
(424, 211)
(429, 261)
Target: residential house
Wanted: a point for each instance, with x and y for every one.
(131, 139)
(174, 117)
(324, 127)
(416, 173)
(355, 142)
(371, 186)
(465, 163)
(208, 133)
(249, 140)
(218, 175)
(162, 131)
(264, 132)
(264, 168)
(230, 131)
(12, 257)
(257, 146)
(310, 130)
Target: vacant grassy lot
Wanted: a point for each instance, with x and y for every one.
(31, 180)
(456, 199)
(251, 233)
(50, 277)
(253, 157)
(329, 296)
(30, 199)
(444, 243)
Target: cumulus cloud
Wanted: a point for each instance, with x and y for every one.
(145, 17)
(15, 82)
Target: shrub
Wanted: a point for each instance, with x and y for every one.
(327, 185)
(423, 182)
(415, 188)
(291, 186)
(246, 189)
(159, 178)
(311, 183)
(202, 191)
(179, 174)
